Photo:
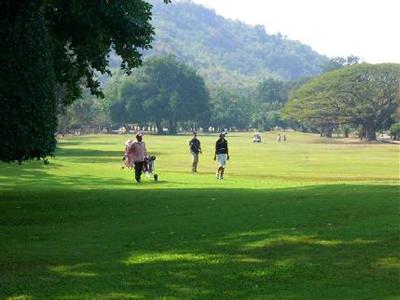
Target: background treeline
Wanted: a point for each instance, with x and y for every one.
(168, 95)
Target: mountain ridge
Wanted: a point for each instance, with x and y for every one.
(226, 51)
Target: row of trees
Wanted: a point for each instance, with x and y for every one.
(257, 107)
(167, 93)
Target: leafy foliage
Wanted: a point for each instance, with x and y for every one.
(395, 131)
(360, 95)
(339, 62)
(27, 99)
(229, 109)
(270, 96)
(164, 90)
(49, 50)
(85, 112)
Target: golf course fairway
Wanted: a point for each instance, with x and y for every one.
(311, 218)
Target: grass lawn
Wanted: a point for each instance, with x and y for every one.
(305, 219)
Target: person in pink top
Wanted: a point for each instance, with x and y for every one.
(138, 155)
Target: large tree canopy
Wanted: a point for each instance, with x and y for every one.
(164, 90)
(27, 100)
(361, 95)
(58, 45)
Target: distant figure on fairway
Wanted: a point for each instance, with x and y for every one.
(195, 149)
(257, 138)
(279, 138)
(139, 154)
(221, 155)
(284, 138)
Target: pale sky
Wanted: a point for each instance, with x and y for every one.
(369, 29)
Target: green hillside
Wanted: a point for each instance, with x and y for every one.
(226, 51)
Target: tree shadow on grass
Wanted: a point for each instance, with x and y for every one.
(35, 179)
(81, 155)
(81, 152)
(36, 175)
(318, 242)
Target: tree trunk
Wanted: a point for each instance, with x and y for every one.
(361, 133)
(172, 127)
(327, 131)
(370, 132)
(346, 132)
(126, 128)
(159, 128)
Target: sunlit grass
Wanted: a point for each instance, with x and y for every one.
(306, 219)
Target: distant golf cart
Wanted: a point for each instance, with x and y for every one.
(257, 138)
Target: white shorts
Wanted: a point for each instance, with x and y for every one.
(195, 157)
(222, 159)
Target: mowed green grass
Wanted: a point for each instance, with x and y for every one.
(305, 219)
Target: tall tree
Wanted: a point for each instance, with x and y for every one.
(50, 45)
(163, 90)
(360, 95)
(369, 95)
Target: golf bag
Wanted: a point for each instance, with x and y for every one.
(149, 167)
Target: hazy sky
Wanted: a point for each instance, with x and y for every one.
(369, 29)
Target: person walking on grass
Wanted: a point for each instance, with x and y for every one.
(221, 155)
(195, 149)
(139, 154)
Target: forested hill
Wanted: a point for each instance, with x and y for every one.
(226, 51)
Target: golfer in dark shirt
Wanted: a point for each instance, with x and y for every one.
(221, 155)
(195, 149)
